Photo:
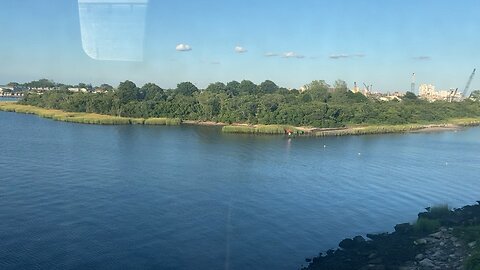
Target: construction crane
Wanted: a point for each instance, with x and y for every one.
(367, 87)
(452, 95)
(467, 87)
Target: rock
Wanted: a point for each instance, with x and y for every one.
(472, 244)
(358, 239)
(437, 235)
(422, 241)
(347, 243)
(419, 257)
(437, 255)
(403, 228)
(426, 263)
(308, 260)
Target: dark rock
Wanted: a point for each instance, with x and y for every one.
(406, 248)
(426, 263)
(403, 228)
(358, 239)
(347, 243)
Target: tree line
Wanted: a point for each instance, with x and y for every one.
(319, 105)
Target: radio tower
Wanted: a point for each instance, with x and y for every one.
(412, 86)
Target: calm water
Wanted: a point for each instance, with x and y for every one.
(9, 99)
(131, 197)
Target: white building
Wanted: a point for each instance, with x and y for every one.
(428, 92)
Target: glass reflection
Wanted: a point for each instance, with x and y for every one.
(113, 29)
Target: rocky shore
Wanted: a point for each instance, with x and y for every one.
(441, 239)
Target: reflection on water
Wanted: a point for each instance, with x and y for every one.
(113, 29)
(133, 197)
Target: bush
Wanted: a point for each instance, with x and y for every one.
(473, 263)
(426, 226)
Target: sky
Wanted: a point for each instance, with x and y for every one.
(290, 42)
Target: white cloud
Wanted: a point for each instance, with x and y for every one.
(292, 55)
(422, 58)
(342, 56)
(240, 49)
(183, 47)
(271, 54)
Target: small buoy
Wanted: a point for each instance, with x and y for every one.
(359, 154)
(324, 146)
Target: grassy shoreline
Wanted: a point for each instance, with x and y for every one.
(85, 118)
(99, 119)
(452, 124)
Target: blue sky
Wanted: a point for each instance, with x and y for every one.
(371, 41)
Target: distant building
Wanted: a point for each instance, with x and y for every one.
(77, 89)
(355, 88)
(6, 88)
(428, 92)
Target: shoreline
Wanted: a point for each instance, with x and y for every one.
(239, 128)
(441, 238)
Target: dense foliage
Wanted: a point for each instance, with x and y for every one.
(320, 105)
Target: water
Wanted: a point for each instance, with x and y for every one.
(131, 197)
(9, 99)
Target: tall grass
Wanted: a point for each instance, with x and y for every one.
(369, 130)
(260, 129)
(426, 226)
(470, 234)
(163, 121)
(83, 118)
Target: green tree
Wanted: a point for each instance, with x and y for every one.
(247, 87)
(151, 91)
(13, 84)
(410, 96)
(317, 90)
(210, 104)
(127, 91)
(217, 87)
(232, 88)
(186, 88)
(268, 87)
(340, 85)
(317, 85)
(475, 95)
